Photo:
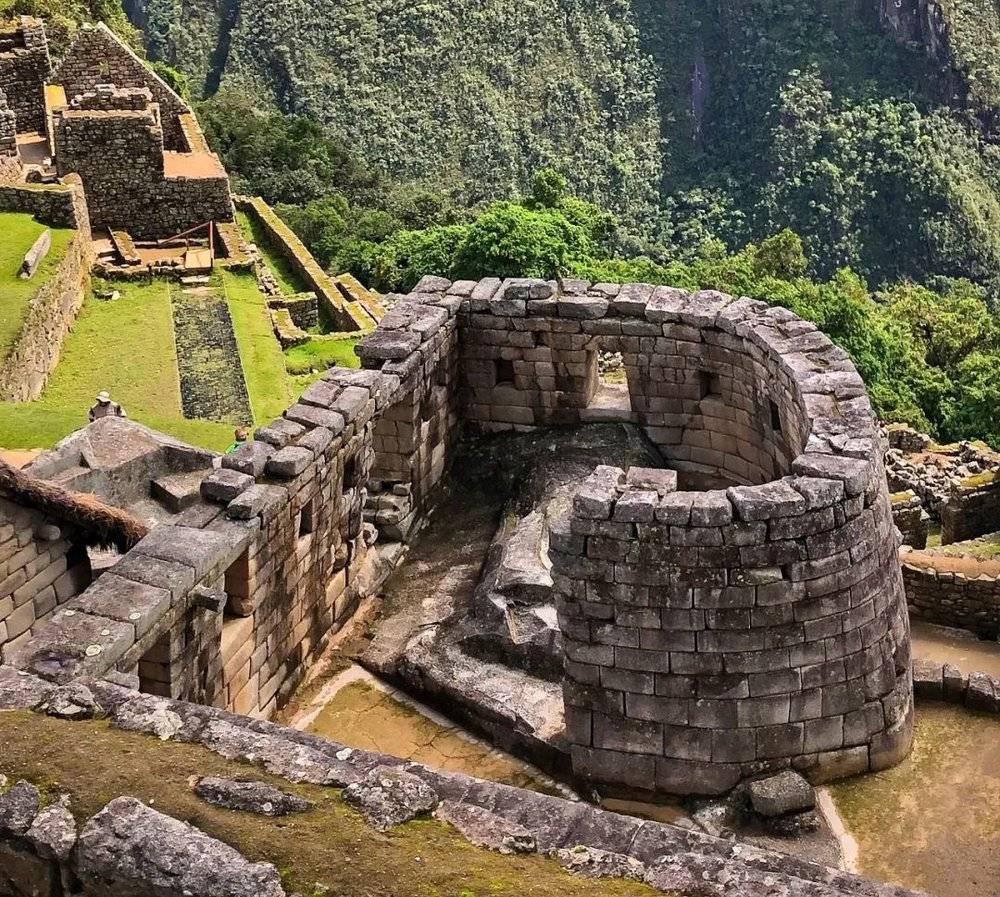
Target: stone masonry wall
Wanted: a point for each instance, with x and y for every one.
(35, 352)
(940, 591)
(119, 157)
(231, 604)
(972, 509)
(42, 565)
(417, 341)
(529, 358)
(709, 635)
(24, 68)
(911, 519)
(98, 57)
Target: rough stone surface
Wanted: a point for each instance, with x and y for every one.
(129, 848)
(784, 793)
(388, 797)
(53, 832)
(486, 829)
(591, 862)
(252, 797)
(18, 807)
(73, 701)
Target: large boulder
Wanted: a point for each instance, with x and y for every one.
(128, 848)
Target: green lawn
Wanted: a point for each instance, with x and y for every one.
(19, 233)
(286, 276)
(125, 346)
(268, 383)
(320, 354)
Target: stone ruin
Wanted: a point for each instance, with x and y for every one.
(104, 116)
(729, 606)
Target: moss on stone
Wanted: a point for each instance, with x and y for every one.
(329, 846)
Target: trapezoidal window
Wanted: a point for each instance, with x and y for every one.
(351, 473)
(306, 518)
(775, 414)
(504, 371)
(709, 384)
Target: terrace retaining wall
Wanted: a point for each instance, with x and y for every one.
(939, 593)
(35, 351)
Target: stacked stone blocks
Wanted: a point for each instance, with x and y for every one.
(42, 565)
(24, 68)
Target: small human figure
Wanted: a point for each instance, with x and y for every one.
(241, 435)
(104, 407)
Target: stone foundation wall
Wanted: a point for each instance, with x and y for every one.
(50, 316)
(24, 68)
(910, 518)
(938, 592)
(972, 509)
(42, 566)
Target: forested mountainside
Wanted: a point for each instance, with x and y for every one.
(839, 157)
(862, 124)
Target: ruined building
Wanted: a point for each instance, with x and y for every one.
(103, 115)
(740, 612)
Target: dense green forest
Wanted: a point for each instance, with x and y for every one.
(837, 156)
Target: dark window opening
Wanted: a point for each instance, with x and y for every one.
(709, 384)
(504, 371)
(306, 518)
(775, 416)
(351, 473)
(237, 584)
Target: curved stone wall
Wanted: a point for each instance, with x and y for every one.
(714, 635)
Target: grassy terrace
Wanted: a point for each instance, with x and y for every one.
(329, 846)
(287, 277)
(19, 233)
(127, 347)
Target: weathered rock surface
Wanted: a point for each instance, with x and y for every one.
(18, 808)
(593, 863)
(388, 797)
(252, 797)
(486, 829)
(128, 848)
(787, 792)
(53, 832)
(73, 701)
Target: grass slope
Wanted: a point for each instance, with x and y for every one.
(127, 347)
(267, 380)
(19, 234)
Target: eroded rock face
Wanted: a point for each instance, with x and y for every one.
(389, 797)
(593, 863)
(252, 797)
(129, 848)
(73, 701)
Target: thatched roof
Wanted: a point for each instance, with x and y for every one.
(99, 524)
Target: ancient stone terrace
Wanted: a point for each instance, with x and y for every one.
(103, 115)
(708, 635)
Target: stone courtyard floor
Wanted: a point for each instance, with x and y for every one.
(933, 822)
